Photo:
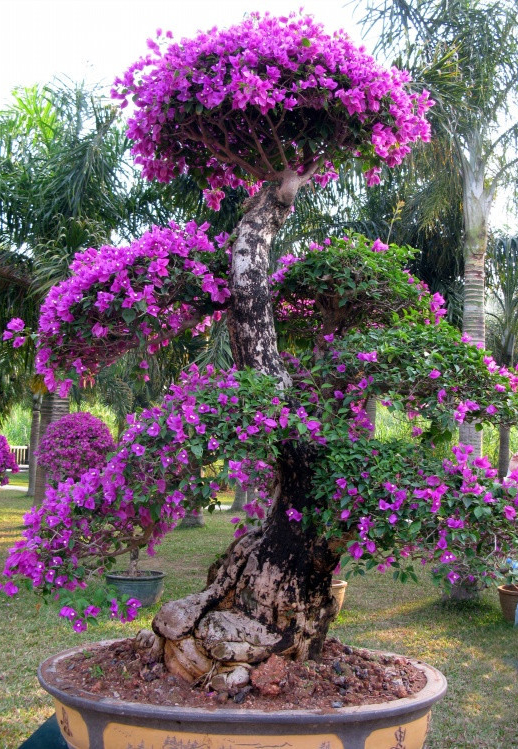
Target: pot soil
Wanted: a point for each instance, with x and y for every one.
(508, 595)
(106, 695)
(146, 585)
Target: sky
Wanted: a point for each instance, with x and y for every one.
(97, 40)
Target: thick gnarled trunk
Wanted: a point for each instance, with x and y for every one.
(271, 592)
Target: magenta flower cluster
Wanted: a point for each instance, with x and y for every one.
(7, 461)
(138, 285)
(72, 445)
(263, 96)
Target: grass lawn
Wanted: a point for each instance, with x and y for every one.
(471, 644)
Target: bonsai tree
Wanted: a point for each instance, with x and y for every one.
(270, 104)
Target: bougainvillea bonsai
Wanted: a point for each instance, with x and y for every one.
(271, 104)
(73, 445)
(7, 461)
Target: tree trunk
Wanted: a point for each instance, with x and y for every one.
(240, 498)
(52, 408)
(193, 519)
(477, 200)
(503, 450)
(271, 592)
(33, 443)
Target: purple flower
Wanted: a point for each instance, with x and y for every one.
(92, 611)
(16, 325)
(367, 356)
(355, 550)
(379, 246)
(9, 588)
(68, 612)
(294, 514)
(434, 374)
(448, 557)
(509, 512)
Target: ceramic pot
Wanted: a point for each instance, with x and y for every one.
(508, 595)
(147, 586)
(338, 588)
(89, 722)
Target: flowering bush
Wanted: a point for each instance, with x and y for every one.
(72, 445)
(393, 501)
(7, 461)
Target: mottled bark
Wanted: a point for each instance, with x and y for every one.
(250, 317)
(271, 592)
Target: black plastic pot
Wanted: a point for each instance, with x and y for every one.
(147, 586)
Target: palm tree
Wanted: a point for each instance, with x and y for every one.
(502, 313)
(477, 115)
(62, 186)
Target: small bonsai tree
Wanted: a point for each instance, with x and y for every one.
(73, 445)
(271, 104)
(7, 461)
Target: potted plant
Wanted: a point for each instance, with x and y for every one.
(147, 586)
(268, 106)
(78, 444)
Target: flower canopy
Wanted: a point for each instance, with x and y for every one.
(241, 105)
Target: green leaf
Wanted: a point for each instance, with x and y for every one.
(128, 314)
(305, 42)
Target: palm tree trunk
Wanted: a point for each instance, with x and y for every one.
(477, 200)
(240, 497)
(503, 450)
(52, 408)
(33, 443)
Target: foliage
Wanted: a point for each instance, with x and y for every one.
(72, 445)
(7, 461)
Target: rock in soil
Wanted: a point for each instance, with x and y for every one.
(343, 676)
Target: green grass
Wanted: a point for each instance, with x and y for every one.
(472, 644)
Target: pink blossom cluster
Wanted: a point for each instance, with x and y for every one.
(16, 325)
(452, 503)
(7, 461)
(262, 96)
(72, 445)
(122, 295)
